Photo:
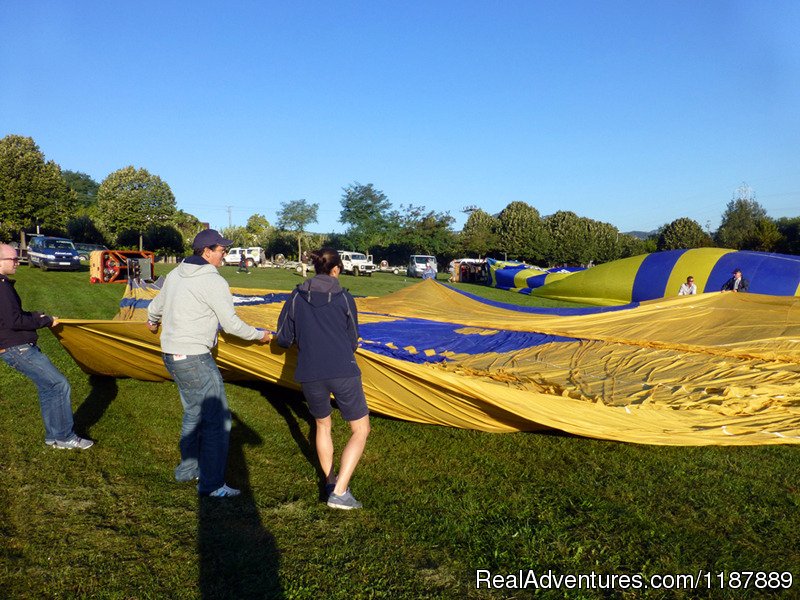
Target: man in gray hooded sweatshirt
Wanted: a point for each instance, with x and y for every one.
(194, 302)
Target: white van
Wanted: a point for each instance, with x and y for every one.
(417, 264)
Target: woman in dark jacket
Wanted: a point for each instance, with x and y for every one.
(321, 318)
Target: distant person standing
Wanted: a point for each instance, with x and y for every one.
(688, 288)
(321, 318)
(18, 350)
(429, 272)
(194, 302)
(243, 263)
(737, 283)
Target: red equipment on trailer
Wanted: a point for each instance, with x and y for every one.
(118, 266)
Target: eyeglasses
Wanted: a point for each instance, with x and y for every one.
(16, 260)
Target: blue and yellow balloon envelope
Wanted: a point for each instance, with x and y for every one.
(696, 370)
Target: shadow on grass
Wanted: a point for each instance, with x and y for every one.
(238, 556)
(290, 405)
(104, 390)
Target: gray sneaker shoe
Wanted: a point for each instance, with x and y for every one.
(225, 492)
(50, 443)
(345, 502)
(74, 443)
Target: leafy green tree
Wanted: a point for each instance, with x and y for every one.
(237, 234)
(739, 226)
(479, 234)
(683, 233)
(189, 226)
(285, 242)
(367, 212)
(568, 235)
(789, 229)
(133, 199)
(426, 232)
(83, 229)
(294, 216)
(578, 240)
(630, 245)
(83, 185)
(522, 233)
(32, 191)
(164, 239)
(603, 241)
(259, 230)
(765, 236)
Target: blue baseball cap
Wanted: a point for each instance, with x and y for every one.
(208, 238)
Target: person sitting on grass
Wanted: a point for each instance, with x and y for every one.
(321, 318)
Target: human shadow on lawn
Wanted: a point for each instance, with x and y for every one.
(104, 390)
(238, 556)
(290, 405)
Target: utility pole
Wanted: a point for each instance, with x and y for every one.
(229, 215)
(745, 192)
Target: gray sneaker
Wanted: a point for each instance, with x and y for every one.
(50, 443)
(74, 443)
(225, 492)
(345, 502)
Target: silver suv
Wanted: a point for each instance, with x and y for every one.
(417, 263)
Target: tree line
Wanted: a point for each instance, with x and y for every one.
(133, 208)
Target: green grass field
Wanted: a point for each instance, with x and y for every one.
(439, 503)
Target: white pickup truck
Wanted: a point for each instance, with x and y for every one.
(356, 263)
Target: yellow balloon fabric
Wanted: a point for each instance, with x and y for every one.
(717, 368)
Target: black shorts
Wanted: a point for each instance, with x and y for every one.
(348, 392)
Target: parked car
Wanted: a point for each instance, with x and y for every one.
(48, 252)
(254, 256)
(85, 250)
(417, 263)
(356, 263)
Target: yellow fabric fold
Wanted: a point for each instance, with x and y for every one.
(695, 370)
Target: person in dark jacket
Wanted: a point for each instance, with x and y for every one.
(243, 263)
(737, 283)
(18, 350)
(321, 318)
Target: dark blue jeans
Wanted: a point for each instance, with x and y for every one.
(206, 426)
(54, 389)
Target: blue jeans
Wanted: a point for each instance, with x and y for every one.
(206, 426)
(54, 390)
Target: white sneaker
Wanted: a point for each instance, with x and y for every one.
(225, 492)
(74, 443)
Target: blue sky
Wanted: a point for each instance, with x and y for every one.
(630, 112)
